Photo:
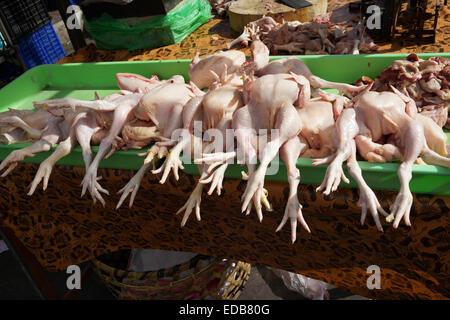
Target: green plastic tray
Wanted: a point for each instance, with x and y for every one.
(82, 80)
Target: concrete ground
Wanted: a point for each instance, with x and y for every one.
(263, 284)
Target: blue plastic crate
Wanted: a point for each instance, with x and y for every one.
(41, 47)
(2, 41)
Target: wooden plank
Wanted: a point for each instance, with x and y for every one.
(242, 12)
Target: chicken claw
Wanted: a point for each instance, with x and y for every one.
(215, 159)
(194, 201)
(401, 209)
(44, 172)
(333, 178)
(12, 159)
(293, 211)
(368, 200)
(173, 163)
(90, 182)
(132, 186)
(154, 152)
(254, 191)
(264, 198)
(216, 179)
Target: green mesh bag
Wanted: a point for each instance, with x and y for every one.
(112, 34)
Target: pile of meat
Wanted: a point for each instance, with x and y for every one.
(221, 6)
(319, 36)
(272, 108)
(425, 81)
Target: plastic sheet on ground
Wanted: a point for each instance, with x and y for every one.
(309, 288)
(111, 34)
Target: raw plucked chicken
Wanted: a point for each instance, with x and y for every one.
(203, 72)
(374, 116)
(214, 110)
(259, 64)
(319, 36)
(31, 122)
(55, 131)
(276, 107)
(162, 106)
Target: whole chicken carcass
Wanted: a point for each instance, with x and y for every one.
(376, 115)
(215, 110)
(162, 106)
(270, 108)
(85, 126)
(73, 121)
(122, 107)
(124, 112)
(291, 64)
(200, 69)
(318, 138)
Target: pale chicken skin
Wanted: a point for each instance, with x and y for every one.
(318, 129)
(30, 121)
(215, 111)
(318, 138)
(200, 70)
(163, 106)
(259, 64)
(270, 106)
(376, 115)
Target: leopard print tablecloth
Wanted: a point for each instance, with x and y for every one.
(61, 229)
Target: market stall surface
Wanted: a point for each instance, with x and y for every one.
(336, 252)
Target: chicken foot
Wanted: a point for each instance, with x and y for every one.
(289, 153)
(155, 152)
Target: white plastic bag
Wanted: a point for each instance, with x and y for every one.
(310, 288)
(143, 260)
